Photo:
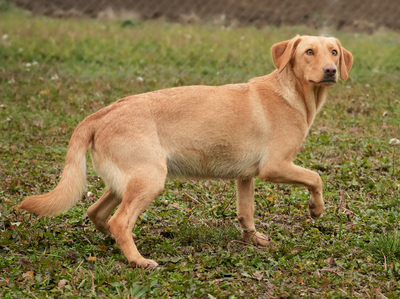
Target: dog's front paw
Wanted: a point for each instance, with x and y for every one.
(259, 239)
(255, 237)
(315, 211)
(144, 263)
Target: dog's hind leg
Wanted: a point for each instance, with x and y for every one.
(142, 188)
(102, 209)
(245, 212)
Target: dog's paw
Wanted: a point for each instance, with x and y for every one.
(255, 237)
(144, 263)
(315, 211)
(259, 239)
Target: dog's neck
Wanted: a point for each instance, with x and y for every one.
(309, 96)
(314, 99)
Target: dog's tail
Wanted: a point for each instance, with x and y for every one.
(73, 179)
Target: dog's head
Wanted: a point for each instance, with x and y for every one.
(314, 60)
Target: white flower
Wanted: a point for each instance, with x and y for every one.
(89, 194)
(5, 36)
(29, 64)
(394, 142)
(54, 77)
(139, 79)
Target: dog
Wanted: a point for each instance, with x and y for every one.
(234, 131)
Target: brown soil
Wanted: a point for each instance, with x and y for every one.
(365, 15)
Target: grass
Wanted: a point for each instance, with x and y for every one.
(56, 72)
(386, 246)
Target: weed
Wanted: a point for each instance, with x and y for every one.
(386, 246)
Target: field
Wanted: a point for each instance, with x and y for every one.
(54, 73)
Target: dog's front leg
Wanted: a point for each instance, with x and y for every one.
(287, 173)
(245, 212)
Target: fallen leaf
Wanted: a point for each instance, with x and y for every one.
(331, 261)
(176, 206)
(28, 274)
(62, 283)
(24, 261)
(102, 248)
(271, 286)
(259, 275)
(325, 283)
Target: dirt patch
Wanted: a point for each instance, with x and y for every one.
(364, 15)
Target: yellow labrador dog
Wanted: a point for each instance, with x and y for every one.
(234, 131)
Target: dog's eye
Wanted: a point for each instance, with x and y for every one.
(310, 52)
(334, 52)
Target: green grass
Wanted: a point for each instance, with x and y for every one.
(386, 246)
(78, 66)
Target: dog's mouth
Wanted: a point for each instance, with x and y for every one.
(323, 82)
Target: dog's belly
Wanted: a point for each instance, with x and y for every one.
(202, 164)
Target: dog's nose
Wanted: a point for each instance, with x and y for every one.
(330, 70)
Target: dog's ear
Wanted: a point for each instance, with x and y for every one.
(282, 52)
(346, 61)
